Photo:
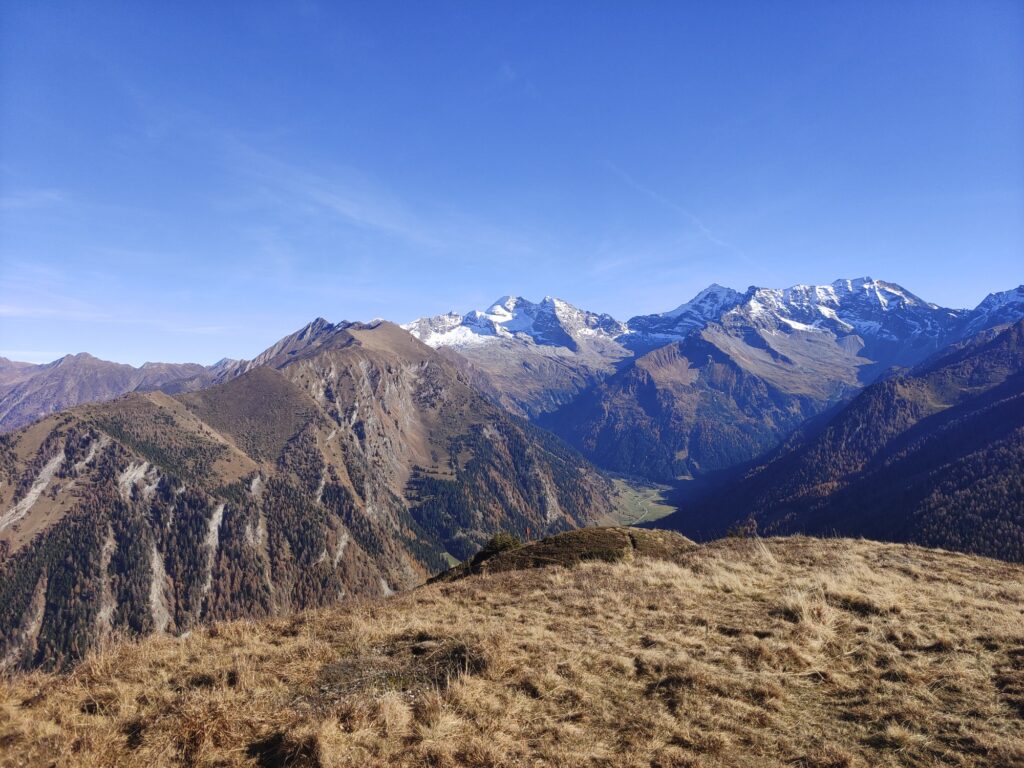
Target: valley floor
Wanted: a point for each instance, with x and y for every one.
(739, 653)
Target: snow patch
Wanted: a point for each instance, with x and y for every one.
(798, 326)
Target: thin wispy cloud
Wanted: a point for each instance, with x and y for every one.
(349, 196)
(507, 72)
(666, 202)
(23, 311)
(32, 198)
(345, 194)
(511, 78)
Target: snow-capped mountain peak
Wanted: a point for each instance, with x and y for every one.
(551, 322)
(884, 294)
(707, 306)
(1002, 299)
(875, 310)
(996, 309)
(710, 302)
(878, 312)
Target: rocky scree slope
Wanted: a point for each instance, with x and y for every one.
(354, 461)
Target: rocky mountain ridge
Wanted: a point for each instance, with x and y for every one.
(537, 358)
(29, 392)
(931, 457)
(874, 309)
(354, 460)
(534, 358)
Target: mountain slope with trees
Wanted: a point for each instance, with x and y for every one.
(933, 457)
(356, 462)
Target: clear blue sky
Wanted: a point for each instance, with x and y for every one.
(191, 180)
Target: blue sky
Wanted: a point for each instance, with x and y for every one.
(187, 181)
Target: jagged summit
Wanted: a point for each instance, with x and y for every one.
(996, 309)
(707, 306)
(535, 356)
(551, 321)
(872, 309)
(1003, 298)
(315, 334)
(712, 298)
(875, 310)
(865, 306)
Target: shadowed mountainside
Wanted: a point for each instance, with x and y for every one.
(933, 457)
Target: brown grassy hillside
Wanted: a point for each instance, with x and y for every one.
(741, 653)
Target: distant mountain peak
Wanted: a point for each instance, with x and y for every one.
(551, 321)
(996, 309)
(874, 309)
(883, 292)
(713, 299)
(314, 328)
(1003, 298)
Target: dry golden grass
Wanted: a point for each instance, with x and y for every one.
(795, 652)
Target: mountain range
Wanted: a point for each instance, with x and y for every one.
(717, 381)
(354, 459)
(931, 457)
(29, 392)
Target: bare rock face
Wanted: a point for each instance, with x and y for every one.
(352, 461)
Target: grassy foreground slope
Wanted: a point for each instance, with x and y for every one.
(740, 653)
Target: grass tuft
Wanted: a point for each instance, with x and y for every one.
(745, 652)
